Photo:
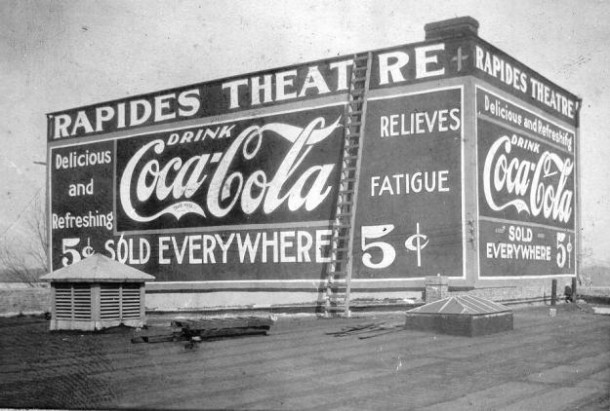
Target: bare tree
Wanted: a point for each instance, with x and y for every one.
(25, 261)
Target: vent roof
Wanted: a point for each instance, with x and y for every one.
(463, 304)
(98, 269)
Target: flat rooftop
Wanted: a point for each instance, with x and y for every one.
(545, 363)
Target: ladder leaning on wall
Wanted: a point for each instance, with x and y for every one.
(339, 269)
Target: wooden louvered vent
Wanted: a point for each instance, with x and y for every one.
(119, 301)
(73, 301)
(97, 293)
(130, 301)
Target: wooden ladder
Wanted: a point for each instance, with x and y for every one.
(339, 269)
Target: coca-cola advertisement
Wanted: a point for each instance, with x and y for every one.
(523, 179)
(526, 191)
(247, 199)
(269, 170)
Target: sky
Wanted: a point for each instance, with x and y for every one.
(56, 55)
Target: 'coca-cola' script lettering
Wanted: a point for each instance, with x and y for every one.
(536, 188)
(226, 188)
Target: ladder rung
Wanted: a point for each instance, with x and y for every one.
(346, 216)
(342, 238)
(339, 295)
(336, 279)
(361, 57)
(336, 287)
(342, 215)
(355, 113)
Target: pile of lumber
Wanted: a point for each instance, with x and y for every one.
(367, 330)
(211, 329)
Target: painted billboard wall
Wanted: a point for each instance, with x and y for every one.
(238, 179)
(409, 214)
(191, 185)
(526, 167)
(200, 203)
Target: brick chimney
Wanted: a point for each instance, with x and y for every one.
(457, 27)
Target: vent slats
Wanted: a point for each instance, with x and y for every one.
(116, 302)
(110, 302)
(120, 301)
(73, 301)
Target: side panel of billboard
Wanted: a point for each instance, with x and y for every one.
(526, 169)
(409, 211)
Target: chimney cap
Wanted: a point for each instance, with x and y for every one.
(456, 27)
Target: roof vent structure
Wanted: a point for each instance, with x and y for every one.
(465, 315)
(97, 293)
